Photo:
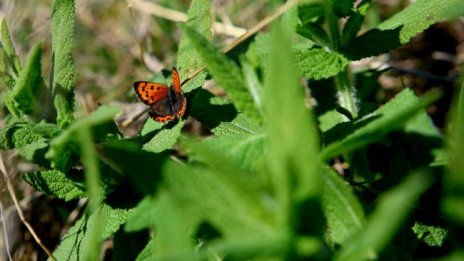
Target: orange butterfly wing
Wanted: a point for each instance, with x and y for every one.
(150, 92)
(176, 80)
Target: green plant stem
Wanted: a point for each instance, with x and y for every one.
(345, 93)
(92, 178)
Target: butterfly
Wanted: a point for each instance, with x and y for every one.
(166, 103)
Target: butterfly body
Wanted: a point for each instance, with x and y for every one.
(166, 103)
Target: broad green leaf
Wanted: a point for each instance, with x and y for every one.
(220, 195)
(64, 147)
(148, 252)
(7, 45)
(212, 111)
(62, 81)
(247, 151)
(330, 119)
(143, 215)
(30, 144)
(189, 60)
(238, 126)
(400, 28)
(24, 90)
(76, 241)
(142, 168)
(392, 209)
(342, 209)
(173, 239)
(162, 139)
(454, 179)
(431, 235)
(318, 63)
(225, 72)
(290, 127)
(373, 127)
(56, 183)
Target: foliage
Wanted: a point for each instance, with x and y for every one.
(261, 186)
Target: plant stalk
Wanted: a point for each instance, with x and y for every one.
(345, 92)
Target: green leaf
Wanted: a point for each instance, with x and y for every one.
(342, 209)
(247, 151)
(7, 46)
(76, 241)
(375, 126)
(354, 22)
(318, 63)
(454, 180)
(62, 81)
(173, 239)
(342, 8)
(212, 111)
(161, 139)
(222, 195)
(400, 28)
(64, 147)
(392, 209)
(254, 85)
(225, 72)
(310, 13)
(189, 60)
(239, 126)
(143, 215)
(23, 94)
(330, 119)
(290, 127)
(92, 182)
(56, 183)
(431, 235)
(142, 168)
(148, 252)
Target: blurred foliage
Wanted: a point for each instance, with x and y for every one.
(269, 176)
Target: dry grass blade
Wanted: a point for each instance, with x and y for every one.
(20, 211)
(177, 16)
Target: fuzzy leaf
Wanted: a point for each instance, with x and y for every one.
(189, 60)
(55, 183)
(225, 72)
(319, 64)
(76, 241)
(238, 126)
(212, 111)
(223, 195)
(431, 235)
(400, 28)
(342, 209)
(7, 46)
(161, 139)
(290, 127)
(24, 90)
(375, 126)
(142, 216)
(247, 151)
(62, 62)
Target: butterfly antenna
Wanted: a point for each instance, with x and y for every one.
(193, 75)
